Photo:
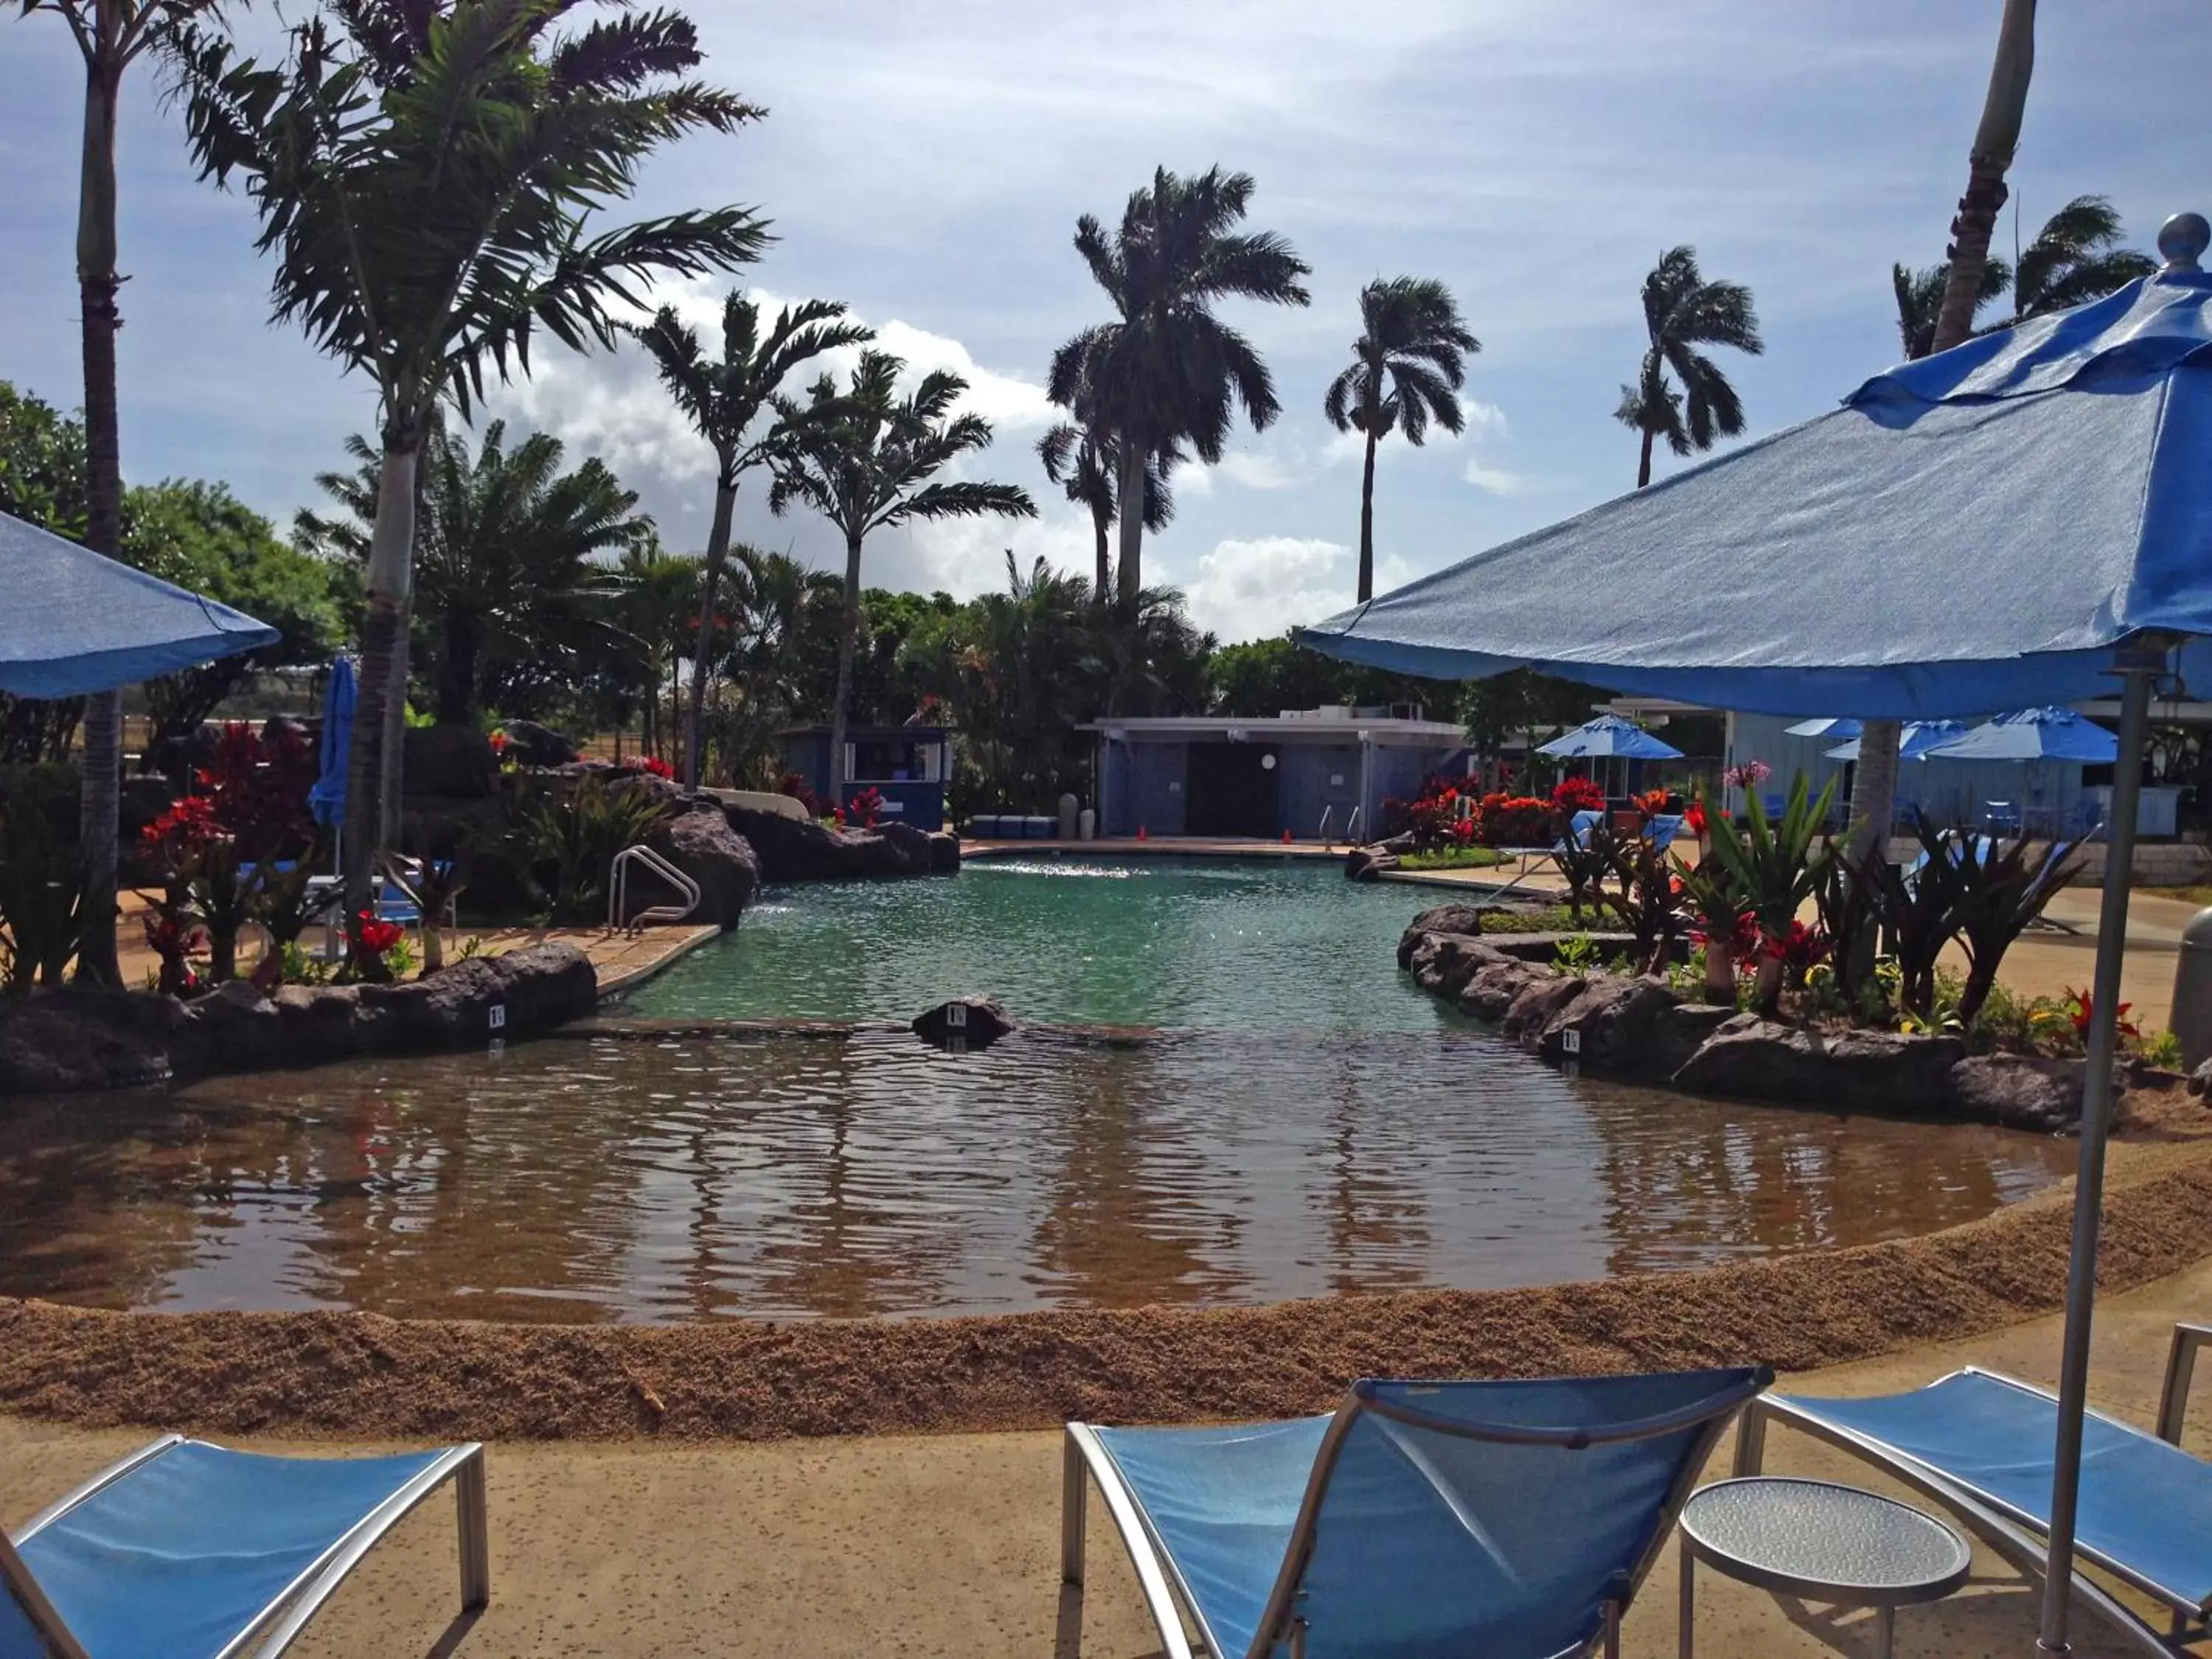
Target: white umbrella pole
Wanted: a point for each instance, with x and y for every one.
(2137, 670)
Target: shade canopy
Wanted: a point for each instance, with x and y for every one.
(1609, 736)
(74, 623)
(1919, 739)
(327, 798)
(2035, 735)
(1973, 531)
(1836, 727)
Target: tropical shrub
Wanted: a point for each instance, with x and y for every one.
(1572, 795)
(575, 838)
(1773, 867)
(372, 943)
(1998, 894)
(1584, 860)
(864, 809)
(1651, 900)
(1503, 820)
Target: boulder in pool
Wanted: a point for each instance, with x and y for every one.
(60, 1041)
(1463, 919)
(1617, 1023)
(701, 844)
(794, 849)
(1540, 999)
(1496, 986)
(964, 1021)
(1363, 864)
(2021, 1091)
(1757, 1059)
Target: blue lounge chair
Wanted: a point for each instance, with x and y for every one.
(1509, 1519)
(187, 1551)
(1980, 1444)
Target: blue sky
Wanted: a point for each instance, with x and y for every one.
(926, 163)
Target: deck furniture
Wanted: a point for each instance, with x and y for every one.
(1510, 1519)
(188, 1551)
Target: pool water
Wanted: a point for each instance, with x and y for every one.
(1186, 944)
(1298, 1121)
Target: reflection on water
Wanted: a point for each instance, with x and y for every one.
(612, 1179)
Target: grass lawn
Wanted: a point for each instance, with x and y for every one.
(1453, 858)
(2199, 896)
(1551, 919)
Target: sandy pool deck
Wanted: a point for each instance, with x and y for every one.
(948, 1545)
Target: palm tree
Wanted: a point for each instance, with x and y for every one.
(425, 172)
(1920, 300)
(1087, 463)
(110, 35)
(724, 400)
(1874, 779)
(1408, 366)
(1682, 311)
(863, 458)
(2072, 261)
(1167, 371)
(509, 565)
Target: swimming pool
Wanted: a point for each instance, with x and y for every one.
(1297, 1121)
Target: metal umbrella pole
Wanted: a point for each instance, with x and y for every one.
(2138, 664)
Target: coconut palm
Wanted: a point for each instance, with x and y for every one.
(866, 458)
(1087, 463)
(1408, 366)
(2072, 261)
(510, 572)
(1166, 371)
(1874, 779)
(724, 400)
(110, 35)
(1920, 300)
(1682, 311)
(426, 173)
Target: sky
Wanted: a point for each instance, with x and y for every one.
(927, 162)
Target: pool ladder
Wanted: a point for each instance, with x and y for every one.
(618, 890)
(1351, 825)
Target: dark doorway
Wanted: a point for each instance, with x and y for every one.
(1232, 789)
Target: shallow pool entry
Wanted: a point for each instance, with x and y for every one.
(1304, 1124)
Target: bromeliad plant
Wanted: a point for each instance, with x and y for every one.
(1773, 867)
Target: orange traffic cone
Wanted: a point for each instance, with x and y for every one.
(1286, 838)
(1141, 835)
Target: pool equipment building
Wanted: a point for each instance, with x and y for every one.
(1317, 774)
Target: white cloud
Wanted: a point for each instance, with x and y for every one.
(1258, 470)
(1493, 480)
(968, 557)
(1256, 589)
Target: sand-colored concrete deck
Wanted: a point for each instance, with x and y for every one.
(948, 1545)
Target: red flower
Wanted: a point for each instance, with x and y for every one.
(1798, 946)
(2083, 1009)
(1579, 795)
(376, 936)
(652, 763)
(1693, 817)
(499, 742)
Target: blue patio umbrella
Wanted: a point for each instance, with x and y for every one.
(327, 798)
(1833, 727)
(74, 622)
(2035, 735)
(1612, 738)
(1918, 740)
(2050, 473)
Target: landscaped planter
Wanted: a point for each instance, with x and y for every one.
(1639, 1028)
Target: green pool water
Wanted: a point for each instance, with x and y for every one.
(1195, 944)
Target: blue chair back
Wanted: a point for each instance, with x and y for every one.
(1497, 1518)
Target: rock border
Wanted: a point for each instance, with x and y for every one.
(358, 1377)
(1639, 1029)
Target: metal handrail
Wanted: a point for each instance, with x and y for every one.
(1321, 834)
(1352, 825)
(618, 889)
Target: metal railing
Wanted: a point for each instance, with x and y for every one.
(618, 889)
(1321, 834)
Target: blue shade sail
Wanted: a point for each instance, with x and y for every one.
(1974, 530)
(1610, 737)
(2035, 735)
(1492, 1517)
(74, 623)
(2144, 1503)
(177, 1558)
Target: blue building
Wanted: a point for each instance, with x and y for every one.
(1319, 773)
(908, 765)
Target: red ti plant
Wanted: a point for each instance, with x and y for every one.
(173, 933)
(650, 763)
(1573, 795)
(864, 809)
(372, 941)
(1798, 948)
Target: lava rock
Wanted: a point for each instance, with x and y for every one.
(236, 1027)
(702, 844)
(1681, 1034)
(1464, 919)
(944, 854)
(790, 849)
(1617, 1023)
(2200, 1080)
(1497, 987)
(1442, 964)
(451, 761)
(2021, 1092)
(1542, 997)
(66, 1039)
(1876, 1070)
(977, 1023)
(538, 745)
(1364, 863)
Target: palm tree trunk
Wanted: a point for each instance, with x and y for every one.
(718, 549)
(1995, 140)
(1644, 464)
(100, 789)
(1873, 790)
(1128, 489)
(1101, 590)
(849, 628)
(390, 582)
(1367, 525)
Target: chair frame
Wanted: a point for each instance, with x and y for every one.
(2011, 1534)
(278, 1625)
(1162, 1583)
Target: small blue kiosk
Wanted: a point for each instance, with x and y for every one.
(908, 765)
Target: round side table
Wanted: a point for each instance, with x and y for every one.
(1826, 1543)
